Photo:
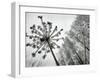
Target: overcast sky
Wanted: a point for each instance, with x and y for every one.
(62, 21)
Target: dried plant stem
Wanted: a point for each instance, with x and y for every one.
(57, 63)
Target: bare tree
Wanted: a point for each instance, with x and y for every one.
(76, 44)
(80, 33)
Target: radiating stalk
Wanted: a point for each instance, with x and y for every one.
(57, 63)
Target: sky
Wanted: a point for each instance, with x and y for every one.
(60, 20)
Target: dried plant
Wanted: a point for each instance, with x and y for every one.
(44, 38)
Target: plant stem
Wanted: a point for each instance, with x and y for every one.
(57, 63)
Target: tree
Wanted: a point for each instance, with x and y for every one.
(76, 44)
(80, 33)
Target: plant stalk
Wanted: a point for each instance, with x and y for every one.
(57, 63)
